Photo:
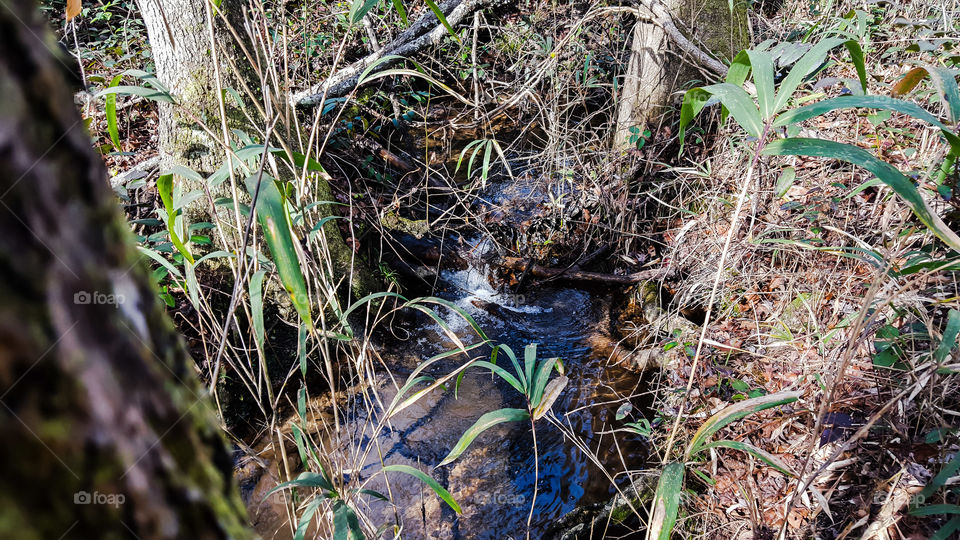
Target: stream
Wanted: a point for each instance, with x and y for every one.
(493, 480)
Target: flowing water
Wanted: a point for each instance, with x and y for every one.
(493, 480)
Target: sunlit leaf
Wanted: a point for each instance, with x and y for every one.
(485, 422)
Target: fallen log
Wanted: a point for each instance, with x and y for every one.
(576, 274)
(424, 32)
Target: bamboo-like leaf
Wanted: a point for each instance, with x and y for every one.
(540, 377)
(442, 18)
(502, 373)
(413, 73)
(949, 339)
(693, 102)
(513, 359)
(666, 502)
(110, 108)
(948, 530)
(758, 453)
(305, 479)
(807, 112)
(550, 394)
(762, 65)
(141, 91)
(807, 63)
(360, 8)
(306, 517)
(736, 412)
(529, 362)
(485, 422)
(738, 102)
(165, 190)
(856, 56)
(888, 174)
(256, 307)
(936, 509)
(429, 481)
(947, 472)
(373, 67)
(346, 525)
(272, 216)
(398, 5)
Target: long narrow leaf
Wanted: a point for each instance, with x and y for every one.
(888, 174)
(429, 481)
(111, 110)
(762, 65)
(272, 217)
(485, 422)
(666, 502)
(807, 63)
(758, 453)
(736, 412)
(738, 102)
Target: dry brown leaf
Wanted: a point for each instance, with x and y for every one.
(73, 9)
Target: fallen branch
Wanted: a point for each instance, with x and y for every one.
(664, 19)
(575, 274)
(426, 31)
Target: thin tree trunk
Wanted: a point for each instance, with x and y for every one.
(658, 67)
(104, 426)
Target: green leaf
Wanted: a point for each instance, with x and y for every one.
(529, 363)
(807, 63)
(142, 91)
(485, 422)
(111, 110)
(306, 517)
(947, 530)
(360, 8)
(762, 65)
(935, 510)
(738, 102)
(346, 525)
(256, 307)
(787, 177)
(949, 340)
(398, 5)
(306, 479)
(856, 56)
(736, 412)
(502, 373)
(666, 502)
(948, 471)
(540, 378)
(887, 173)
(429, 481)
(800, 114)
(762, 455)
(165, 189)
(272, 216)
(693, 102)
(443, 20)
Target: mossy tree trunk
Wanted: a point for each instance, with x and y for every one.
(657, 68)
(105, 429)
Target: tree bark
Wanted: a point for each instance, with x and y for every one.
(658, 67)
(105, 429)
